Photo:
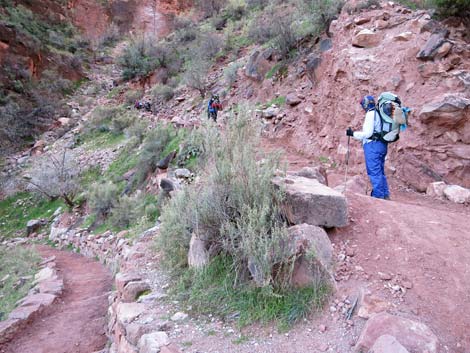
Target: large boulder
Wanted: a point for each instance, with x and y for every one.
(258, 65)
(309, 201)
(312, 245)
(452, 110)
(437, 46)
(457, 194)
(366, 39)
(387, 344)
(127, 312)
(414, 336)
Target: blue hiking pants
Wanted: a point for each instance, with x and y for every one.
(374, 153)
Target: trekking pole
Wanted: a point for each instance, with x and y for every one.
(347, 165)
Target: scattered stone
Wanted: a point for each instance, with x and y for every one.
(322, 328)
(171, 348)
(384, 276)
(457, 194)
(371, 305)
(436, 189)
(433, 47)
(198, 256)
(323, 347)
(404, 37)
(44, 275)
(309, 201)
(414, 336)
(305, 240)
(153, 342)
(127, 312)
(366, 39)
(293, 99)
(167, 185)
(165, 162)
(387, 344)
(179, 316)
(361, 20)
(270, 112)
(325, 45)
(183, 173)
(33, 225)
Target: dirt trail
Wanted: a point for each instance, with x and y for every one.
(76, 322)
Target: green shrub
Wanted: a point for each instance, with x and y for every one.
(231, 73)
(153, 149)
(102, 198)
(127, 210)
(131, 96)
(162, 93)
(449, 8)
(138, 59)
(137, 130)
(122, 121)
(237, 208)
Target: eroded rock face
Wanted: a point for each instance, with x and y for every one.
(308, 201)
(414, 336)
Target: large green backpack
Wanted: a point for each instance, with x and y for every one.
(392, 117)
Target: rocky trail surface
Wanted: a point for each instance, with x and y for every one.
(76, 322)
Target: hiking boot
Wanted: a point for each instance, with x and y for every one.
(387, 198)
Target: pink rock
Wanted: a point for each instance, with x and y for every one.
(387, 344)
(122, 279)
(133, 289)
(414, 336)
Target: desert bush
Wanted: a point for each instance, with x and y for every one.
(138, 59)
(127, 210)
(256, 4)
(155, 143)
(102, 197)
(210, 7)
(320, 13)
(236, 209)
(284, 37)
(57, 176)
(122, 121)
(452, 8)
(231, 72)
(132, 95)
(162, 93)
(261, 30)
(137, 131)
(195, 75)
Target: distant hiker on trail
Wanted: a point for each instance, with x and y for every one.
(382, 125)
(139, 105)
(213, 106)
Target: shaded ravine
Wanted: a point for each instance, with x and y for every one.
(76, 322)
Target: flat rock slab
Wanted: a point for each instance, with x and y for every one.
(414, 336)
(308, 201)
(127, 312)
(387, 344)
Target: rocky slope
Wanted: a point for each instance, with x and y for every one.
(387, 49)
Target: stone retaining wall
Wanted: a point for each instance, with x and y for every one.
(48, 286)
(132, 327)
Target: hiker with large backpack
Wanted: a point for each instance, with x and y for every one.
(213, 106)
(382, 125)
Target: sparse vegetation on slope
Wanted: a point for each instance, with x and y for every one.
(17, 267)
